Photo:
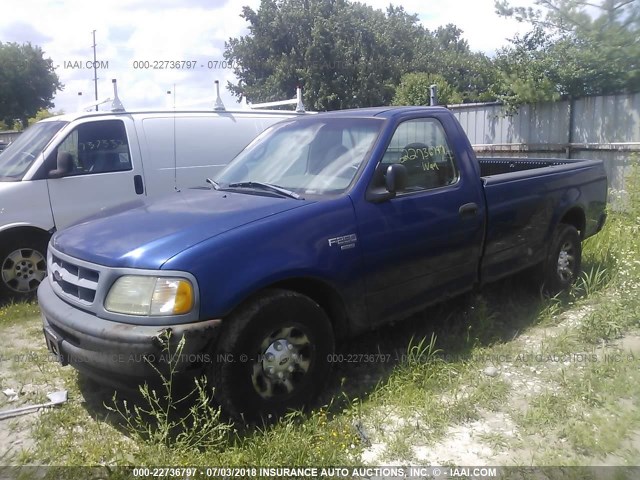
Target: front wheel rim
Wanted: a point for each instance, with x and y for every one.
(566, 262)
(283, 362)
(23, 270)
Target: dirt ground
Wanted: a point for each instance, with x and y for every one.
(493, 439)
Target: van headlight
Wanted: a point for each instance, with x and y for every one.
(142, 295)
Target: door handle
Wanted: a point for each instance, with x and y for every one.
(138, 185)
(468, 210)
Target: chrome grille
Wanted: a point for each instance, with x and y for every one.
(75, 281)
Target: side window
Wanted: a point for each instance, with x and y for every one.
(421, 146)
(97, 147)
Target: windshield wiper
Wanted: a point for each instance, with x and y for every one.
(214, 184)
(266, 186)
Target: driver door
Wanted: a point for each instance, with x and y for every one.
(103, 173)
(424, 244)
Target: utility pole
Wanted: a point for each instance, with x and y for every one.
(173, 93)
(95, 70)
(433, 95)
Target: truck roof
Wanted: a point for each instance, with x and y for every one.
(384, 112)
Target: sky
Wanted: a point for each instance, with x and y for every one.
(130, 33)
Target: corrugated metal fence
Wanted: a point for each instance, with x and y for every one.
(9, 136)
(605, 127)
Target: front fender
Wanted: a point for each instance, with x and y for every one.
(294, 244)
(25, 204)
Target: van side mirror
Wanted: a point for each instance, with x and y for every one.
(64, 165)
(396, 178)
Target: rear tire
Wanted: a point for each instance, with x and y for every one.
(23, 265)
(565, 259)
(276, 347)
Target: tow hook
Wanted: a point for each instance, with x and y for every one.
(161, 339)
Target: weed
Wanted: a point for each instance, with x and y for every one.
(482, 324)
(591, 282)
(421, 352)
(16, 311)
(602, 324)
(159, 429)
(162, 420)
(551, 307)
(497, 441)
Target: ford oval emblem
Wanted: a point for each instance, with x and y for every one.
(56, 276)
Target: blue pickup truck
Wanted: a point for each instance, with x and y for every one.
(323, 227)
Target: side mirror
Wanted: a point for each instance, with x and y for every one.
(64, 165)
(396, 178)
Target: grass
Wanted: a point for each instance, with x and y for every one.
(596, 409)
(16, 312)
(554, 379)
(588, 405)
(592, 410)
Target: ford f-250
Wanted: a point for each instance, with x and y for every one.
(322, 227)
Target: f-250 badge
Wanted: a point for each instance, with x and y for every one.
(346, 242)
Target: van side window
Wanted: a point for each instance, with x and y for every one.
(421, 146)
(98, 147)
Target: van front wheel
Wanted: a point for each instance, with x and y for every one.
(23, 266)
(272, 355)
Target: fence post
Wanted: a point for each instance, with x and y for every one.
(571, 126)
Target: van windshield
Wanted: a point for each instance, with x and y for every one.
(16, 159)
(311, 156)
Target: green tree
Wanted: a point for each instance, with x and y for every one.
(347, 54)
(414, 89)
(28, 82)
(527, 70)
(42, 114)
(470, 73)
(575, 48)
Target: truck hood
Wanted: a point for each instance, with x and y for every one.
(152, 233)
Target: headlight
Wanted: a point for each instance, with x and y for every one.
(142, 295)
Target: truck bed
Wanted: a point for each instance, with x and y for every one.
(500, 165)
(525, 199)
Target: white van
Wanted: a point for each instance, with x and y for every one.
(69, 167)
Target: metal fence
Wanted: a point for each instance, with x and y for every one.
(604, 127)
(9, 136)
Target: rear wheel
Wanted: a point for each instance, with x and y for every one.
(275, 351)
(23, 266)
(564, 261)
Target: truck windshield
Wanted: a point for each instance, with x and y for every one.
(16, 159)
(312, 156)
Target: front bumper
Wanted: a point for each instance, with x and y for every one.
(118, 354)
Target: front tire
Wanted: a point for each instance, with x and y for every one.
(23, 266)
(564, 261)
(275, 349)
